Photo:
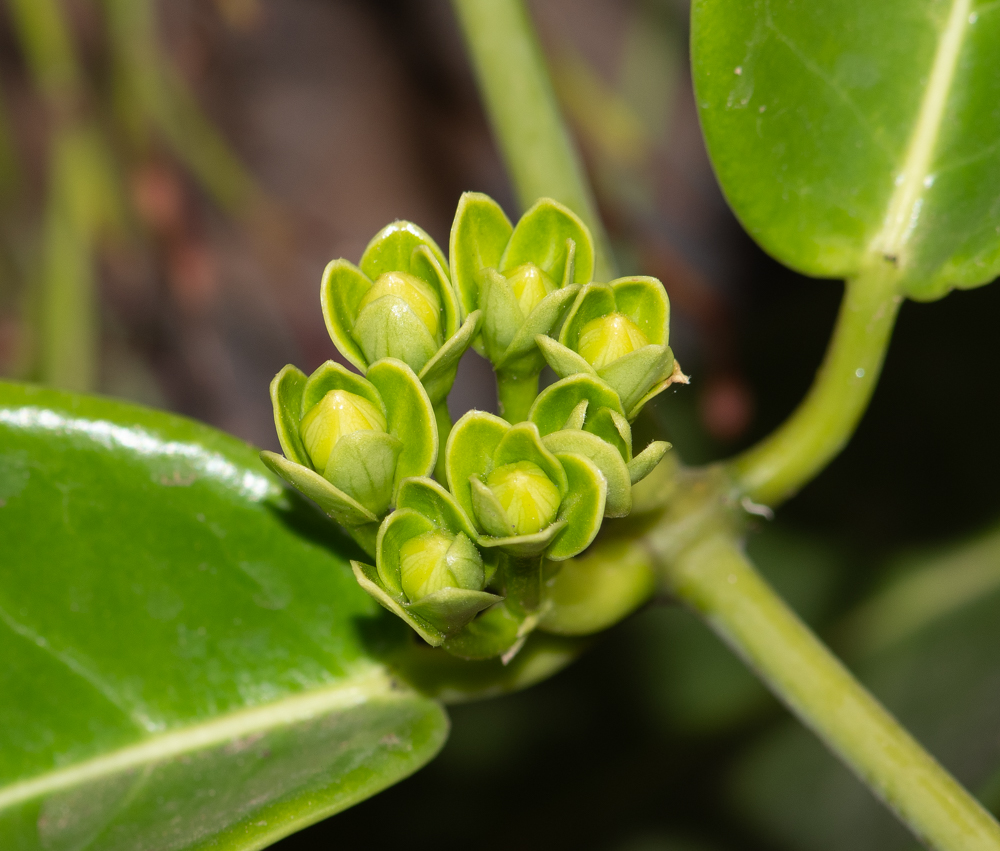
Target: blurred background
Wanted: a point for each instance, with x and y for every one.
(175, 175)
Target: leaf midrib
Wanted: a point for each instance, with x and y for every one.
(366, 685)
(904, 206)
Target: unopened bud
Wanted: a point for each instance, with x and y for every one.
(607, 338)
(530, 285)
(337, 414)
(528, 497)
(422, 300)
(436, 560)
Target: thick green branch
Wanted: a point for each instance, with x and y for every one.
(714, 578)
(521, 104)
(790, 457)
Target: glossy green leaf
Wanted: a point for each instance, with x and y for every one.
(186, 658)
(540, 237)
(846, 132)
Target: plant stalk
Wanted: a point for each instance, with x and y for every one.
(521, 104)
(791, 456)
(714, 578)
(516, 394)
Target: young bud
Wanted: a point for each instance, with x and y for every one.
(436, 560)
(607, 338)
(528, 497)
(420, 298)
(530, 285)
(337, 414)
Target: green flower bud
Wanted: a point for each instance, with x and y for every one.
(439, 559)
(428, 570)
(607, 338)
(530, 285)
(419, 297)
(337, 414)
(523, 278)
(348, 441)
(528, 497)
(618, 332)
(399, 303)
(523, 498)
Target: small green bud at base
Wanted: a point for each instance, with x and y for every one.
(436, 560)
(607, 338)
(337, 414)
(422, 300)
(528, 497)
(530, 285)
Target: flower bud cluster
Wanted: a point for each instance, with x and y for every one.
(461, 557)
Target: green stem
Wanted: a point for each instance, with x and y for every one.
(776, 468)
(715, 579)
(516, 394)
(521, 104)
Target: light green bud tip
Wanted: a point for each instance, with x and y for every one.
(530, 285)
(436, 560)
(607, 338)
(337, 414)
(528, 497)
(422, 300)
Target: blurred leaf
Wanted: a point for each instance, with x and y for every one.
(186, 660)
(845, 131)
(149, 87)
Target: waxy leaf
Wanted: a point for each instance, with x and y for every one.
(846, 133)
(185, 654)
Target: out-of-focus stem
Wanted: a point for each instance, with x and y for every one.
(515, 86)
(714, 578)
